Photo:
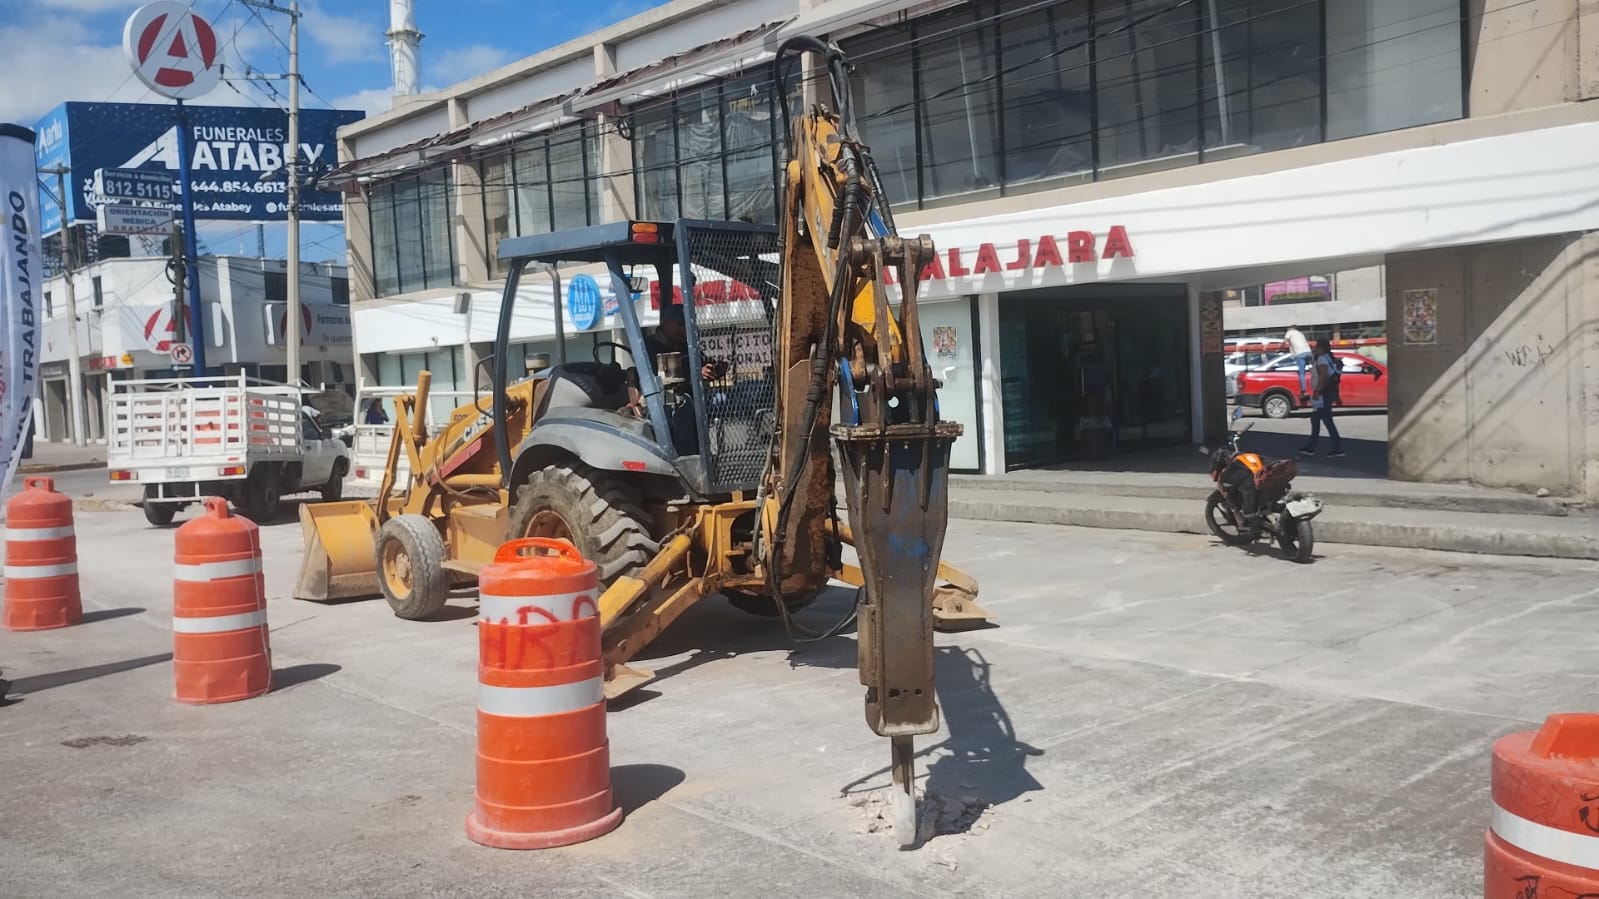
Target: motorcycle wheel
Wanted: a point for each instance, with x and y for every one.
(1298, 540)
(1220, 522)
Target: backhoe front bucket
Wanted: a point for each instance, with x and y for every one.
(340, 560)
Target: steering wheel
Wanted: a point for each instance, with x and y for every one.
(614, 347)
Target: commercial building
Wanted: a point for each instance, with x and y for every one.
(1092, 172)
(126, 330)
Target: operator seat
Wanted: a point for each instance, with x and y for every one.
(591, 385)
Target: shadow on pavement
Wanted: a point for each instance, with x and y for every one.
(41, 682)
(294, 675)
(982, 763)
(636, 786)
(108, 614)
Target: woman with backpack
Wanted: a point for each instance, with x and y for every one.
(1328, 371)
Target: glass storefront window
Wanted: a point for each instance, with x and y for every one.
(1261, 76)
(1392, 65)
(1146, 75)
(993, 96)
(1049, 106)
(711, 153)
(550, 182)
(960, 141)
(412, 244)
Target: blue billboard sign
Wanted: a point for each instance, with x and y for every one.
(237, 164)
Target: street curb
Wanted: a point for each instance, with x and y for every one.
(52, 469)
(1422, 501)
(1487, 538)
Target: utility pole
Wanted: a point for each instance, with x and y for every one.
(74, 360)
(291, 318)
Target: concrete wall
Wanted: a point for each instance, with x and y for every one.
(1508, 395)
(1522, 54)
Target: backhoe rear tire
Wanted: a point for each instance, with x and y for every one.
(410, 566)
(597, 510)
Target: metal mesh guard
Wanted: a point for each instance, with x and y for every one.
(735, 277)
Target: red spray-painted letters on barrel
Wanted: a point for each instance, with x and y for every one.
(1543, 839)
(543, 760)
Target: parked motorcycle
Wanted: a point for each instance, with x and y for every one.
(1255, 498)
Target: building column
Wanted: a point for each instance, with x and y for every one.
(357, 234)
(991, 395)
(469, 228)
(1207, 348)
(1585, 308)
(617, 197)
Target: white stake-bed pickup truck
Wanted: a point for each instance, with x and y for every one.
(183, 439)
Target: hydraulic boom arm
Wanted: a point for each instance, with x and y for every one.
(837, 331)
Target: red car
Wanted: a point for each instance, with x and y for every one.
(1275, 389)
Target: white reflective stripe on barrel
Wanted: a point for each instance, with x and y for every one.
(216, 571)
(551, 700)
(24, 534)
(1544, 841)
(527, 609)
(32, 571)
(216, 624)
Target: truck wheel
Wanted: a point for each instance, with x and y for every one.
(159, 514)
(1277, 404)
(333, 490)
(600, 513)
(410, 557)
(263, 496)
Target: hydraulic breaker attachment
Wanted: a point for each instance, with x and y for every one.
(896, 481)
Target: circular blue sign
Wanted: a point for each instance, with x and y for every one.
(583, 301)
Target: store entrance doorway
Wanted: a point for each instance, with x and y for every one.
(1089, 373)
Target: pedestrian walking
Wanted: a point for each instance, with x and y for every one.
(1325, 373)
(375, 413)
(1300, 347)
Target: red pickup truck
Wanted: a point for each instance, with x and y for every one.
(1275, 389)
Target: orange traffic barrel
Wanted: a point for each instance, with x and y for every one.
(543, 760)
(1543, 839)
(219, 625)
(41, 560)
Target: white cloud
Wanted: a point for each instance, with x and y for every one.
(373, 100)
(52, 59)
(347, 38)
(462, 63)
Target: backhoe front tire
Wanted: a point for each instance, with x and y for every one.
(410, 564)
(601, 514)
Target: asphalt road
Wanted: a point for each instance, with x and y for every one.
(1153, 714)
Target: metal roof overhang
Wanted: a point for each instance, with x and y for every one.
(824, 18)
(706, 62)
(752, 47)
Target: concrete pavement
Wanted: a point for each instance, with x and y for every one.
(1154, 714)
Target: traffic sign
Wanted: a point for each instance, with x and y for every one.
(182, 354)
(135, 184)
(172, 50)
(127, 218)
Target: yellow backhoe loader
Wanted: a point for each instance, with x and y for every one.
(705, 467)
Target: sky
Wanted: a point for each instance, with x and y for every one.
(61, 50)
